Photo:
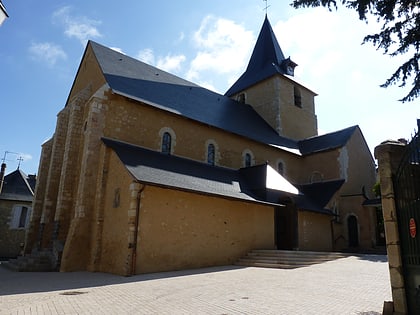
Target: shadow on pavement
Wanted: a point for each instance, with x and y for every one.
(12, 282)
(373, 258)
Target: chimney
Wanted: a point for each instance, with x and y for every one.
(2, 171)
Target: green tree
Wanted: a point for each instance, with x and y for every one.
(399, 34)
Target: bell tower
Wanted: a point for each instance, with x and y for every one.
(269, 86)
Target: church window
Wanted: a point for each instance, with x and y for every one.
(166, 143)
(241, 98)
(248, 158)
(297, 97)
(211, 154)
(280, 168)
(167, 140)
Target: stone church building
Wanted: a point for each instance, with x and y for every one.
(148, 172)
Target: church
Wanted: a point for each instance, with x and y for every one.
(148, 172)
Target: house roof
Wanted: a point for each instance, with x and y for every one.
(260, 183)
(18, 186)
(267, 59)
(136, 80)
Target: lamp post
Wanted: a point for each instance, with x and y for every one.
(3, 13)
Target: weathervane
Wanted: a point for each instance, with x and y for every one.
(266, 6)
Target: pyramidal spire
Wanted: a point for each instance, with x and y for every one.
(266, 60)
(267, 49)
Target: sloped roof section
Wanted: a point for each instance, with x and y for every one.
(136, 80)
(252, 184)
(160, 169)
(321, 192)
(18, 186)
(267, 59)
(326, 142)
(165, 170)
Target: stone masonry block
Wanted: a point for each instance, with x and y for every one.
(388, 206)
(397, 280)
(391, 231)
(394, 256)
(398, 296)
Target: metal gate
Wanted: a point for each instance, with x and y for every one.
(407, 193)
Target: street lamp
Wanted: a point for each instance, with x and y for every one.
(3, 13)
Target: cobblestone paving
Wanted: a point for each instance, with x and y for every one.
(353, 285)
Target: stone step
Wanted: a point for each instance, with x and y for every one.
(286, 259)
(35, 262)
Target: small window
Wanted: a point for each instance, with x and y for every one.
(248, 159)
(280, 168)
(211, 154)
(241, 98)
(166, 143)
(20, 217)
(298, 97)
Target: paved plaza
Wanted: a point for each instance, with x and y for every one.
(352, 285)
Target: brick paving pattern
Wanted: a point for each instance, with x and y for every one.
(353, 285)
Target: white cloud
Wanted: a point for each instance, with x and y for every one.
(118, 50)
(146, 55)
(223, 48)
(47, 52)
(171, 63)
(79, 27)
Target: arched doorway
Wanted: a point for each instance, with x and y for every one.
(353, 230)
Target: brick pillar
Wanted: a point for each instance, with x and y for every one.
(77, 249)
(32, 240)
(389, 155)
(53, 181)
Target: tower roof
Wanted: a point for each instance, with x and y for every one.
(267, 59)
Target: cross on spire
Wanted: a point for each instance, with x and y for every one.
(266, 6)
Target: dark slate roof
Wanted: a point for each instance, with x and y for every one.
(322, 192)
(326, 142)
(267, 59)
(134, 79)
(18, 186)
(156, 168)
(248, 184)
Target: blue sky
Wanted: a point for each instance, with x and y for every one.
(207, 42)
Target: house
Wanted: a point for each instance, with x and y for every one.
(16, 196)
(148, 172)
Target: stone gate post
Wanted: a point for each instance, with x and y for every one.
(389, 154)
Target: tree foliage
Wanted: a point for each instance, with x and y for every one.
(399, 34)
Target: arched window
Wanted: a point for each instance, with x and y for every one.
(280, 168)
(211, 153)
(241, 98)
(166, 143)
(298, 97)
(247, 160)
